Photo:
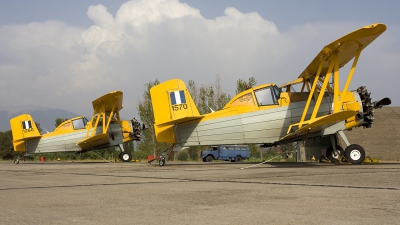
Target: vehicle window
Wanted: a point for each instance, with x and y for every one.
(79, 124)
(264, 97)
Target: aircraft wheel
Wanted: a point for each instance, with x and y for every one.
(209, 158)
(330, 154)
(355, 154)
(161, 162)
(125, 156)
(238, 159)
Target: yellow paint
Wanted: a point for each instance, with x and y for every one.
(327, 63)
(106, 109)
(20, 134)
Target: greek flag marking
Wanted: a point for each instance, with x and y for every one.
(26, 124)
(177, 97)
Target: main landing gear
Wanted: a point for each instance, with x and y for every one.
(354, 154)
(124, 156)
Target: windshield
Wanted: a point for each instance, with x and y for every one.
(80, 123)
(267, 95)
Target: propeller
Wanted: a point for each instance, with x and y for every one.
(382, 102)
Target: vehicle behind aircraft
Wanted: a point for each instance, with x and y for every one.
(233, 153)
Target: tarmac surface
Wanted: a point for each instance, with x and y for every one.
(199, 193)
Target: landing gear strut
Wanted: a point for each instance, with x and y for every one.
(124, 156)
(354, 154)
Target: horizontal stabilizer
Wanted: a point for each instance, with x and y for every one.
(321, 124)
(181, 120)
(93, 142)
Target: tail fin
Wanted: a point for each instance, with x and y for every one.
(23, 127)
(172, 104)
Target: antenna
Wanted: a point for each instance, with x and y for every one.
(46, 130)
(210, 108)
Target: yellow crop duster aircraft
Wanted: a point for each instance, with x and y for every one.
(105, 129)
(271, 115)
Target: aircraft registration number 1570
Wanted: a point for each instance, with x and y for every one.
(179, 107)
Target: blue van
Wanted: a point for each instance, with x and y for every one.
(233, 153)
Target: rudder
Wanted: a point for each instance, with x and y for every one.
(23, 127)
(172, 103)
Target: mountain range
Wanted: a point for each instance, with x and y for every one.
(43, 115)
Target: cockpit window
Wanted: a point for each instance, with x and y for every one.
(266, 96)
(277, 92)
(80, 123)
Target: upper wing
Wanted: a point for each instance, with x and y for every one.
(106, 109)
(111, 102)
(347, 46)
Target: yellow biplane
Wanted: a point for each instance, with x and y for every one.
(105, 129)
(271, 115)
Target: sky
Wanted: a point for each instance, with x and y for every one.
(65, 54)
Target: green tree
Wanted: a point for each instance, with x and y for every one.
(242, 85)
(208, 97)
(59, 121)
(6, 151)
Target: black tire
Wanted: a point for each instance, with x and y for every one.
(209, 158)
(331, 155)
(16, 161)
(161, 162)
(125, 156)
(238, 159)
(355, 154)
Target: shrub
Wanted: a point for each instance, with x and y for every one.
(183, 156)
(193, 153)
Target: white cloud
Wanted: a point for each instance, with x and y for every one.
(66, 67)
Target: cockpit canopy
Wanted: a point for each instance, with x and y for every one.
(263, 95)
(76, 123)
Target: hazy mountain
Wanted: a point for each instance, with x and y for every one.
(43, 115)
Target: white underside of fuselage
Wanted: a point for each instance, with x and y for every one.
(67, 142)
(263, 126)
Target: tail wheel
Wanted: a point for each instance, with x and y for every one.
(161, 162)
(355, 154)
(334, 156)
(125, 156)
